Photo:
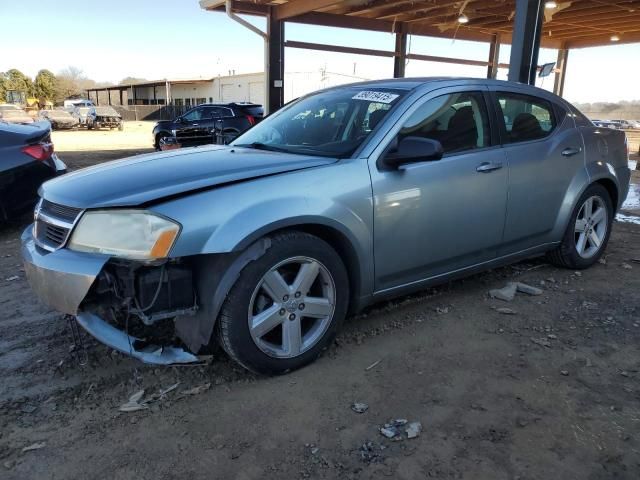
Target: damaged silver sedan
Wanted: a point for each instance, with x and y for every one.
(345, 197)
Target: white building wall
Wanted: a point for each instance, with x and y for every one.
(244, 88)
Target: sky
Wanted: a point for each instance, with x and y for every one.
(157, 39)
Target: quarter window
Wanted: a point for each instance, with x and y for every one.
(457, 120)
(525, 117)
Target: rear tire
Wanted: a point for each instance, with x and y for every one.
(588, 231)
(286, 307)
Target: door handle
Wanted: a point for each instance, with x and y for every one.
(195, 124)
(485, 167)
(571, 151)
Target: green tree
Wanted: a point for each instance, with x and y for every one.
(130, 80)
(45, 85)
(3, 88)
(16, 80)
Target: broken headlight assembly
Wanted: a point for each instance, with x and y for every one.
(131, 234)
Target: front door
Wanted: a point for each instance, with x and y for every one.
(435, 217)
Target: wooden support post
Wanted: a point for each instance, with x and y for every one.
(121, 101)
(494, 56)
(275, 64)
(400, 58)
(561, 65)
(109, 95)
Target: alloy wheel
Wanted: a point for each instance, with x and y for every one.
(292, 307)
(591, 227)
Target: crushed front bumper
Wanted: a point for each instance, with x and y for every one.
(62, 279)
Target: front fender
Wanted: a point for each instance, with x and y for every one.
(232, 217)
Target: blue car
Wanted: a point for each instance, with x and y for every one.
(343, 198)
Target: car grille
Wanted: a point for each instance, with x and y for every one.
(53, 224)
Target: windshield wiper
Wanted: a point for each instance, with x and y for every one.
(262, 146)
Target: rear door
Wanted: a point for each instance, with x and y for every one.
(545, 151)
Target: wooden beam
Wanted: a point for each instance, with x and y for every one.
(339, 49)
(343, 21)
(293, 8)
(494, 54)
(561, 66)
(400, 59)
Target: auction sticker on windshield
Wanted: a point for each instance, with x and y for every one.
(371, 96)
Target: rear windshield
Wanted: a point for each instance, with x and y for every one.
(255, 111)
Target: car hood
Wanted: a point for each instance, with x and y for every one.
(148, 178)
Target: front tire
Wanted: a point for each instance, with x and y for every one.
(588, 232)
(286, 307)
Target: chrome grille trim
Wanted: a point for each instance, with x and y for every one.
(53, 224)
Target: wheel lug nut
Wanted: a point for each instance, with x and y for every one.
(301, 306)
(297, 295)
(282, 311)
(285, 298)
(292, 317)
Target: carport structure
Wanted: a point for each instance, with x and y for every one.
(525, 24)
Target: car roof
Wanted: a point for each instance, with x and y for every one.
(418, 82)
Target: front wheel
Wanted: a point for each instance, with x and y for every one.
(286, 307)
(588, 232)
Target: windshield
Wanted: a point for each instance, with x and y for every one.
(332, 123)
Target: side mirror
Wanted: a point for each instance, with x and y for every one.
(179, 120)
(412, 150)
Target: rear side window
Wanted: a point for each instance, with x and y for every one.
(254, 111)
(525, 117)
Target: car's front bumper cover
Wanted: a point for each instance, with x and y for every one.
(62, 279)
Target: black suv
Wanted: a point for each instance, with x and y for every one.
(209, 123)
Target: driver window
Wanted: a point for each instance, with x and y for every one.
(459, 121)
(195, 114)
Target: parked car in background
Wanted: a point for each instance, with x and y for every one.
(345, 197)
(15, 115)
(77, 102)
(103, 117)
(59, 119)
(81, 114)
(8, 106)
(209, 123)
(606, 124)
(625, 124)
(27, 159)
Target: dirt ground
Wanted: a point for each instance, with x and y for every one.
(551, 391)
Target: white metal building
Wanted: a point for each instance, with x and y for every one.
(248, 87)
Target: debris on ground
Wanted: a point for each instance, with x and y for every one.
(373, 365)
(134, 404)
(197, 390)
(34, 446)
(528, 289)
(413, 429)
(626, 266)
(506, 311)
(564, 373)
(442, 310)
(359, 407)
(13, 278)
(508, 292)
(395, 428)
(543, 342)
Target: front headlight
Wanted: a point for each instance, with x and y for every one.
(134, 234)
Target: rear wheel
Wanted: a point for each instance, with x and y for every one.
(286, 306)
(588, 232)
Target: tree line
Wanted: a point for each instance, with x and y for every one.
(69, 82)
